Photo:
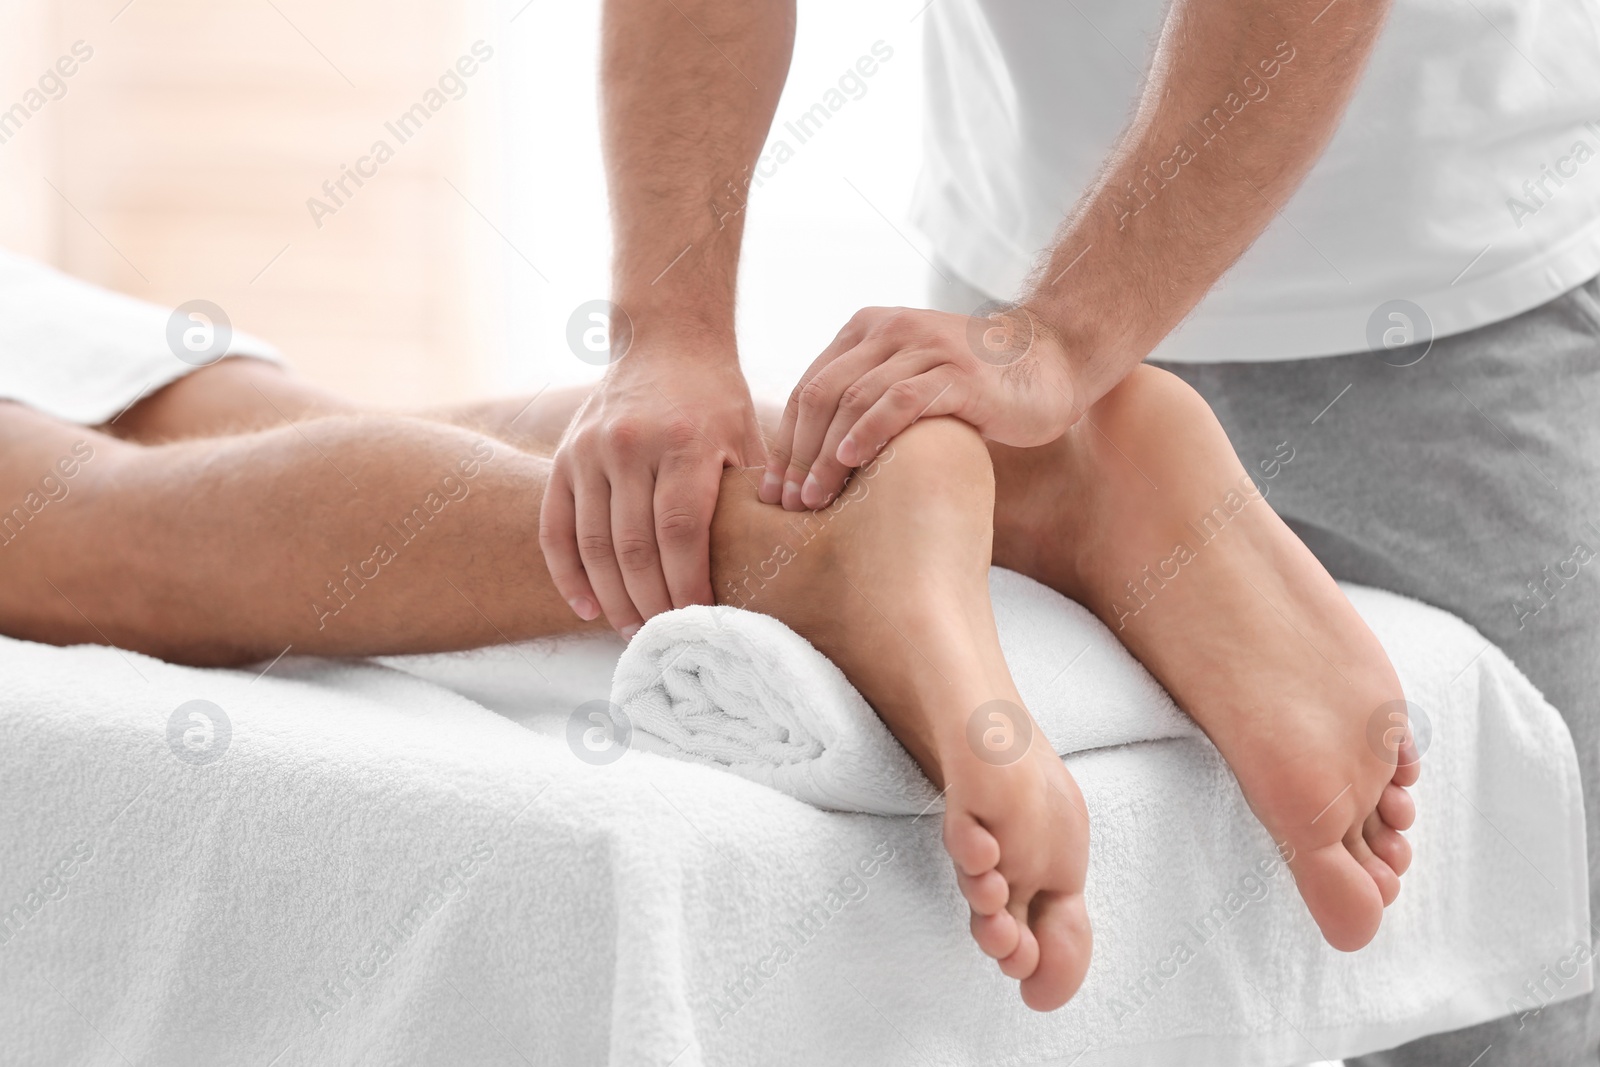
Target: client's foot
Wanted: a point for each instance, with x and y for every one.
(891, 582)
(1144, 514)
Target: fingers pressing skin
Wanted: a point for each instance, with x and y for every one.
(870, 392)
(634, 481)
(832, 401)
(773, 489)
(805, 424)
(633, 541)
(890, 367)
(559, 544)
(840, 385)
(597, 550)
(685, 500)
(642, 540)
(936, 392)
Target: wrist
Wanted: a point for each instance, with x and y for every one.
(1092, 354)
(666, 331)
(687, 294)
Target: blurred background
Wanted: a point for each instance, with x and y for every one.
(178, 160)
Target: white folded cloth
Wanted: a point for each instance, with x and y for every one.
(737, 690)
(83, 354)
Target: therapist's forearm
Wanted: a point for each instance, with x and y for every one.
(1197, 177)
(689, 88)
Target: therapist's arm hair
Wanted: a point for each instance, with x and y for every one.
(343, 534)
(688, 91)
(1241, 99)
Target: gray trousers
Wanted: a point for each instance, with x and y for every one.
(1469, 480)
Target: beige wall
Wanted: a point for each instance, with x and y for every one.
(192, 139)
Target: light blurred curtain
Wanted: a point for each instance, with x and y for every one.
(177, 161)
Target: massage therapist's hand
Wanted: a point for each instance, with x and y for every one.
(626, 521)
(1006, 375)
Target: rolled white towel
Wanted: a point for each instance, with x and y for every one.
(737, 690)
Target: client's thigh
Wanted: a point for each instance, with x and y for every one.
(235, 395)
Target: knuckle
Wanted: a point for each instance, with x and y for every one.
(595, 548)
(814, 392)
(563, 463)
(677, 527)
(626, 437)
(903, 394)
(682, 437)
(899, 327)
(635, 552)
(583, 436)
(858, 397)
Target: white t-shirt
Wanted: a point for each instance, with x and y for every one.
(83, 354)
(1465, 176)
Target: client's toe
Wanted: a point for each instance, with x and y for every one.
(1396, 807)
(986, 893)
(973, 848)
(1382, 875)
(1022, 962)
(1387, 844)
(1409, 765)
(1060, 923)
(998, 935)
(1341, 894)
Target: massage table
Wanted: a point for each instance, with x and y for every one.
(437, 860)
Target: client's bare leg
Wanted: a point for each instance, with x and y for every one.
(1144, 514)
(891, 582)
(364, 534)
(340, 535)
(242, 395)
